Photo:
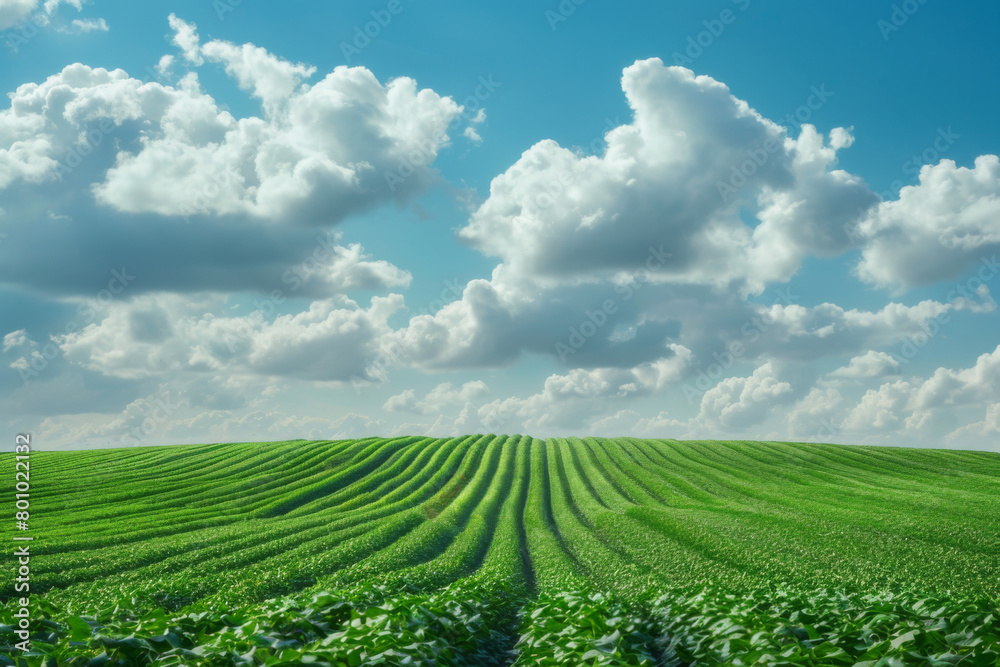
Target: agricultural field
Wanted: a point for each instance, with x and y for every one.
(499, 550)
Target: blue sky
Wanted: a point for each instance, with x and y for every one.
(234, 221)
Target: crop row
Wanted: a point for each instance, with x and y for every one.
(205, 527)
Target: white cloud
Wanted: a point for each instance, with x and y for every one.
(14, 339)
(129, 160)
(573, 399)
(911, 407)
(321, 152)
(556, 214)
(973, 385)
(51, 5)
(622, 422)
(437, 399)
(163, 418)
(272, 80)
(569, 401)
(872, 364)
(472, 135)
(335, 269)
(880, 410)
(142, 421)
(83, 26)
(976, 433)
(186, 39)
(738, 402)
(647, 213)
(808, 219)
(798, 332)
(815, 417)
(164, 65)
(324, 152)
(643, 226)
(14, 12)
(161, 334)
(257, 425)
(631, 423)
(938, 229)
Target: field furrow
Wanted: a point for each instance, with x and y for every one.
(500, 550)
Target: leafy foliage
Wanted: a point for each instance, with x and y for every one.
(497, 550)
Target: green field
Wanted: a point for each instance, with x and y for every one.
(495, 550)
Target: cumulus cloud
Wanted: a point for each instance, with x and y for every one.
(320, 153)
(334, 269)
(566, 403)
(333, 341)
(322, 150)
(186, 39)
(164, 418)
(976, 384)
(557, 214)
(624, 325)
(472, 135)
(738, 402)
(938, 229)
(806, 333)
(808, 219)
(574, 398)
(257, 425)
(976, 432)
(648, 213)
(164, 177)
(815, 417)
(631, 423)
(268, 78)
(13, 13)
(437, 399)
(881, 410)
(629, 268)
(910, 406)
(872, 364)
